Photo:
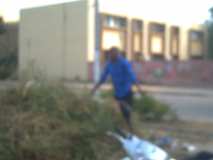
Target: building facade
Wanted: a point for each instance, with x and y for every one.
(152, 39)
(59, 40)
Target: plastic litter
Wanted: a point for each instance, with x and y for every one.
(126, 158)
(140, 149)
(167, 141)
(189, 147)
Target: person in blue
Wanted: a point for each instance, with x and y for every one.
(123, 78)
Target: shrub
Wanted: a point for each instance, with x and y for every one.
(49, 122)
(148, 108)
(8, 65)
(151, 109)
(39, 121)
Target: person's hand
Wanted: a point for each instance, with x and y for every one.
(94, 89)
(140, 92)
(137, 95)
(139, 89)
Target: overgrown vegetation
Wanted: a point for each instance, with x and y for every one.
(151, 109)
(8, 65)
(2, 25)
(49, 122)
(210, 34)
(8, 58)
(148, 108)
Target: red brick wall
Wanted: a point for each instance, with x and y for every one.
(194, 72)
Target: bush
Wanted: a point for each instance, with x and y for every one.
(49, 122)
(151, 109)
(8, 66)
(148, 108)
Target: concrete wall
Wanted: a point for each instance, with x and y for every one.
(54, 40)
(40, 43)
(197, 73)
(75, 42)
(183, 73)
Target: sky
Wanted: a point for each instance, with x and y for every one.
(178, 11)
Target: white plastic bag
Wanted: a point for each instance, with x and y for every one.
(140, 149)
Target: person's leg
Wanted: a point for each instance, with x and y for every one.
(126, 109)
(125, 105)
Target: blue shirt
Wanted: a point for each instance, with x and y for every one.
(121, 74)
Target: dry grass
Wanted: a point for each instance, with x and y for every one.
(50, 122)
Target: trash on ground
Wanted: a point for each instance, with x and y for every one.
(189, 147)
(140, 149)
(168, 142)
(126, 158)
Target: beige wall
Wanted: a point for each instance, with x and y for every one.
(54, 40)
(91, 30)
(41, 41)
(76, 40)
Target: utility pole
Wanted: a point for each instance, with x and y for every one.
(96, 64)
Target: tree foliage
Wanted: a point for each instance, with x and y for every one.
(2, 26)
(210, 34)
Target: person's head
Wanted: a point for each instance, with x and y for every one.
(106, 54)
(113, 53)
(123, 53)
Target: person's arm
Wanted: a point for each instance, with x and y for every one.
(103, 78)
(132, 76)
